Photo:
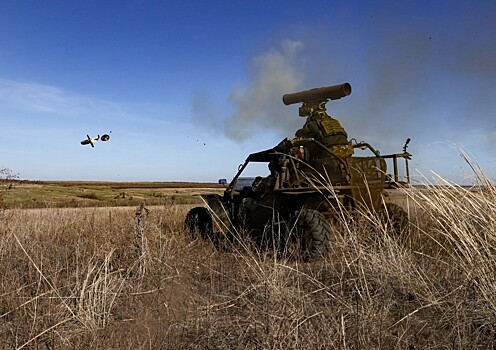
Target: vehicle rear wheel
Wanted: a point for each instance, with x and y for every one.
(313, 232)
(199, 223)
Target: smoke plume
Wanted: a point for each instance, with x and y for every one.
(425, 82)
(258, 105)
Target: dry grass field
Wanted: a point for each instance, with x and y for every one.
(62, 194)
(131, 278)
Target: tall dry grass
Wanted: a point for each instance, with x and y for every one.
(109, 278)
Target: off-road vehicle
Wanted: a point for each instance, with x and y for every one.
(307, 190)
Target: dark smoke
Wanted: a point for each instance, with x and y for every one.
(427, 81)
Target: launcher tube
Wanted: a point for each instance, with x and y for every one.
(333, 92)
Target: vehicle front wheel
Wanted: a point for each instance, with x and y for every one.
(313, 232)
(396, 217)
(199, 223)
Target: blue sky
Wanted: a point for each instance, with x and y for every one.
(190, 88)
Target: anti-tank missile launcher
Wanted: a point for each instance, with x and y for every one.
(298, 208)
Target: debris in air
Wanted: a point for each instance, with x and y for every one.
(91, 140)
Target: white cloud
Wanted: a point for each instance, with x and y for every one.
(40, 98)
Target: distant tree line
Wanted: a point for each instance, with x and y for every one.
(7, 176)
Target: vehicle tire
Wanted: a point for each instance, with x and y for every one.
(397, 217)
(199, 223)
(312, 231)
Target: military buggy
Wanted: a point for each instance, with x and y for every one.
(310, 189)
